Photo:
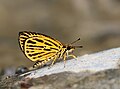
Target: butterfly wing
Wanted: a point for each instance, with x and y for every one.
(38, 46)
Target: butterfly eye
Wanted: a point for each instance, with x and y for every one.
(68, 48)
(64, 46)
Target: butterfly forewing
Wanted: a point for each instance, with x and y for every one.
(38, 46)
(23, 36)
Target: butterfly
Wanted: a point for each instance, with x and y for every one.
(41, 48)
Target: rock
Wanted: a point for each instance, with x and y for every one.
(91, 71)
(108, 79)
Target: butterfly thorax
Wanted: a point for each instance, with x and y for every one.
(65, 50)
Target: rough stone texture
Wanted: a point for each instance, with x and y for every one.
(109, 79)
(102, 72)
(108, 59)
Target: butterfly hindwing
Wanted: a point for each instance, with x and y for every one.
(36, 50)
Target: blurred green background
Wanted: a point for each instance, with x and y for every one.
(96, 22)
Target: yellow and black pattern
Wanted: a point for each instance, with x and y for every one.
(42, 48)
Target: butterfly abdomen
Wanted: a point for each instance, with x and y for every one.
(40, 63)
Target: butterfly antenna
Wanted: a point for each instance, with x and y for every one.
(75, 41)
(78, 46)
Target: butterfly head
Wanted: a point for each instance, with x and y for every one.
(70, 47)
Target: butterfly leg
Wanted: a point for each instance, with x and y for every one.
(64, 58)
(53, 61)
(72, 56)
